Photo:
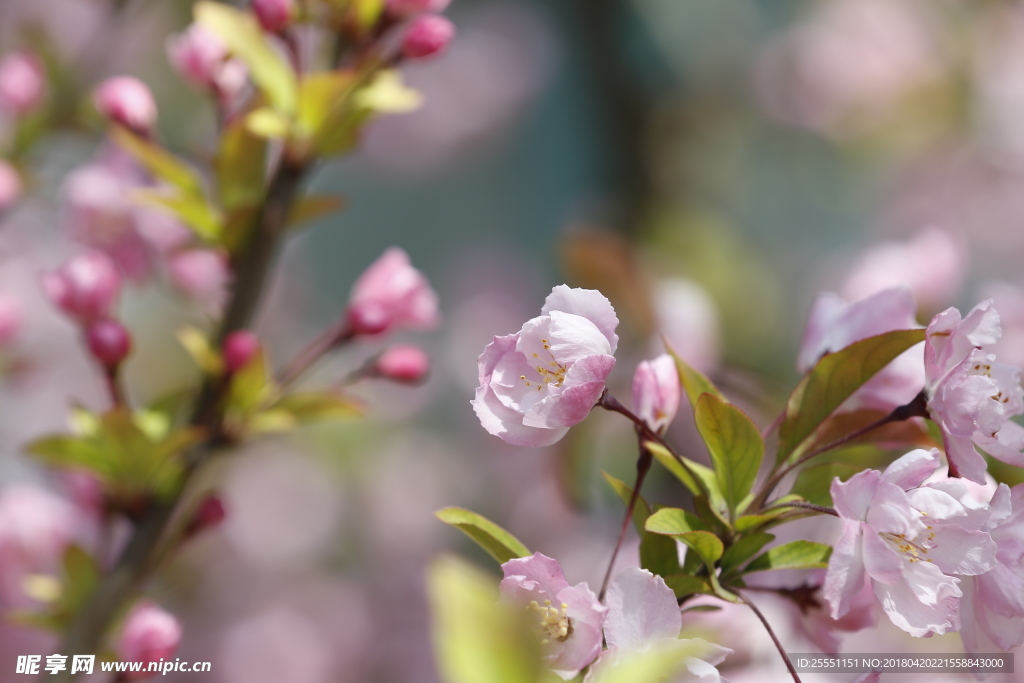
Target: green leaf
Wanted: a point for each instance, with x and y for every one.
(478, 639)
(669, 462)
(500, 544)
(81, 578)
(68, 451)
(833, 380)
(693, 381)
(322, 97)
(641, 510)
(744, 549)
(659, 554)
(814, 483)
(792, 555)
(268, 123)
(303, 408)
(386, 94)
(197, 344)
(686, 584)
(251, 386)
(688, 528)
(158, 161)
(245, 39)
(735, 445)
(312, 208)
(240, 166)
(191, 209)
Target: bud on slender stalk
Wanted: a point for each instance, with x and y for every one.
(391, 294)
(109, 342)
(405, 363)
(22, 82)
(127, 101)
(656, 392)
(273, 15)
(427, 35)
(239, 348)
(85, 287)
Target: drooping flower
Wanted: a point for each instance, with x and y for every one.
(540, 381)
(391, 294)
(907, 539)
(833, 324)
(150, 634)
(643, 616)
(992, 606)
(971, 397)
(656, 392)
(569, 617)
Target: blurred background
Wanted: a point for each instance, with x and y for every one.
(709, 165)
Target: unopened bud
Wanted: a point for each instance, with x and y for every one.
(402, 9)
(426, 36)
(239, 348)
(405, 363)
(85, 287)
(22, 82)
(127, 101)
(209, 514)
(150, 634)
(391, 294)
(656, 392)
(273, 15)
(109, 342)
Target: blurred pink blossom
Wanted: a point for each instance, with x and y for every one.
(127, 101)
(240, 347)
(933, 264)
(35, 529)
(22, 82)
(150, 634)
(688, 318)
(201, 274)
(847, 65)
(273, 15)
(108, 341)
(540, 381)
(1008, 299)
(12, 316)
(201, 58)
(86, 287)
(656, 392)
(570, 618)
(390, 295)
(11, 186)
(403, 363)
(426, 36)
(408, 8)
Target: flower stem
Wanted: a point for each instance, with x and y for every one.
(775, 638)
(328, 340)
(643, 466)
(804, 505)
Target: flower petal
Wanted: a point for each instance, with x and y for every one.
(641, 610)
(541, 569)
(845, 576)
(958, 551)
(582, 388)
(507, 424)
(586, 616)
(910, 470)
(852, 497)
(588, 303)
(913, 616)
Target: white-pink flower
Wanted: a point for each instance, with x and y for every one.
(971, 397)
(35, 529)
(569, 618)
(643, 616)
(907, 539)
(150, 634)
(86, 287)
(540, 381)
(833, 324)
(992, 606)
(22, 82)
(656, 392)
(201, 57)
(127, 101)
(391, 294)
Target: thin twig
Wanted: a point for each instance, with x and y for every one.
(643, 466)
(804, 505)
(775, 639)
(331, 338)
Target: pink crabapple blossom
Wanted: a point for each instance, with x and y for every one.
(407, 8)
(569, 617)
(200, 274)
(85, 287)
(240, 347)
(201, 58)
(35, 528)
(149, 635)
(656, 392)
(11, 187)
(273, 15)
(540, 381)
(426, 36)
(108, 341)
(403, 363)
(833, 324)
(906, 538)
(127, 101)
(22, 82)
(390, 295)
(971, 397)
(643, 615)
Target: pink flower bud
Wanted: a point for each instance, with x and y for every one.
(209, 514)
(85, 287)
(239, 348)
(108, 341)
(656, 391)
(149, 635)
(273, 15)
(401, 9)
(391, 294)
(127, 101)
(22, 81)
(10, 185)
(405, 363)
(197, 54)
(12, 317)
(427, 35)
